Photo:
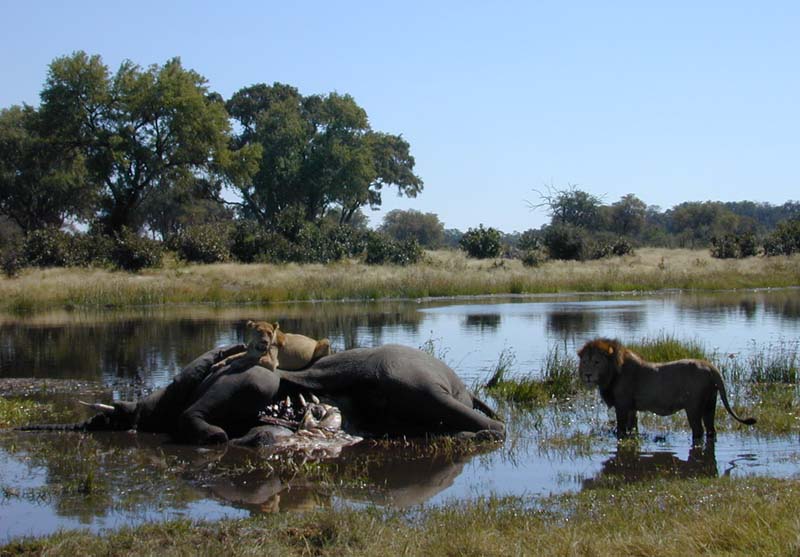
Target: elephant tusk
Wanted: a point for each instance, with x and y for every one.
(98, 406)
(314, 399)
(303, 403)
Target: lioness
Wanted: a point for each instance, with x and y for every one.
(262, 348)
(299, 351)
(272, 348)
(629, 383)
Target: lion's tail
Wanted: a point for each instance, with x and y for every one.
(724, 396)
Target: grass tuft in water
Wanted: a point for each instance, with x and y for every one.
(666, 348)
(558, 380)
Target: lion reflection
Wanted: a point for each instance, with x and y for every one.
(630, 465)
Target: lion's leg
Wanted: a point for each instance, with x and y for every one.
(695, 416)
(625, 417)
(708, 416)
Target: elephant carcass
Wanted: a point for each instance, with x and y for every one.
(389, 390)
(394, 390)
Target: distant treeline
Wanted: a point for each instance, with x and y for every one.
(113, 168)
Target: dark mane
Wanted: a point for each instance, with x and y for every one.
(617, 354)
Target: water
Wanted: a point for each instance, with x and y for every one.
(50, 481)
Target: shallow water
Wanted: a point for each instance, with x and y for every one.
(50, 481)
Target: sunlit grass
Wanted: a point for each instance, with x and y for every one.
(557, 380)
(442, 273)
(666, 348)
(17, 411)
(752, 516)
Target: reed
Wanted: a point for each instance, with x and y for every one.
(665, 347)
(557, 380)
(440, 274)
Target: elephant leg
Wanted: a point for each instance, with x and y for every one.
(193, 428)
(455, 416)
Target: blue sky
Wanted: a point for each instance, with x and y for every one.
(671, 101)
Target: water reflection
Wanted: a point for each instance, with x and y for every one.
(484, 322)
(148, 346)
(95, 478)
(628, 465)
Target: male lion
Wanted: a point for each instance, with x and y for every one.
(629, 383)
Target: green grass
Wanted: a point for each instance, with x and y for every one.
(720, 516)
(666, 348)
(557, 380)
(16, 412)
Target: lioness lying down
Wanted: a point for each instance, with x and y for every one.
(261, 350)
(629, 383)
(272, 348)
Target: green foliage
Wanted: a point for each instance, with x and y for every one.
(426, 228)
(566, 241)
(628, 215)
(785, 240)
(557, 381)
(41, 182)
(132, 252)
(481, 243)
(382, 249)
(319, 152)
(49, 247)
(140, 130)
(733, 246)
(204, 243)
(533, 257)
(666, 348)
(570, 206)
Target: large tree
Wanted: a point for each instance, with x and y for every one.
(41, 183)
(319, 154)
(141, 131)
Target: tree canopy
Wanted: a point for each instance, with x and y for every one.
(319, 153)
(41, 184)
(425, 228)
(140, 131)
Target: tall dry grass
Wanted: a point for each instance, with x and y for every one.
(441, 274)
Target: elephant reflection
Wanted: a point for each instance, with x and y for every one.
(389, 480)
(629, 465)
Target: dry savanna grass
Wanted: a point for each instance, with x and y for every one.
(443, 273)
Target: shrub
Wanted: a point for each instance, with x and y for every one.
(132, 252)
(93, 249)
(381, 250)
(565, 241)
(247, 241)
(481, 243)
(203, 243)
(49, 247)
(11, 258)
(785, 240)
(531, 240)
(534, 257)
(733, 246)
